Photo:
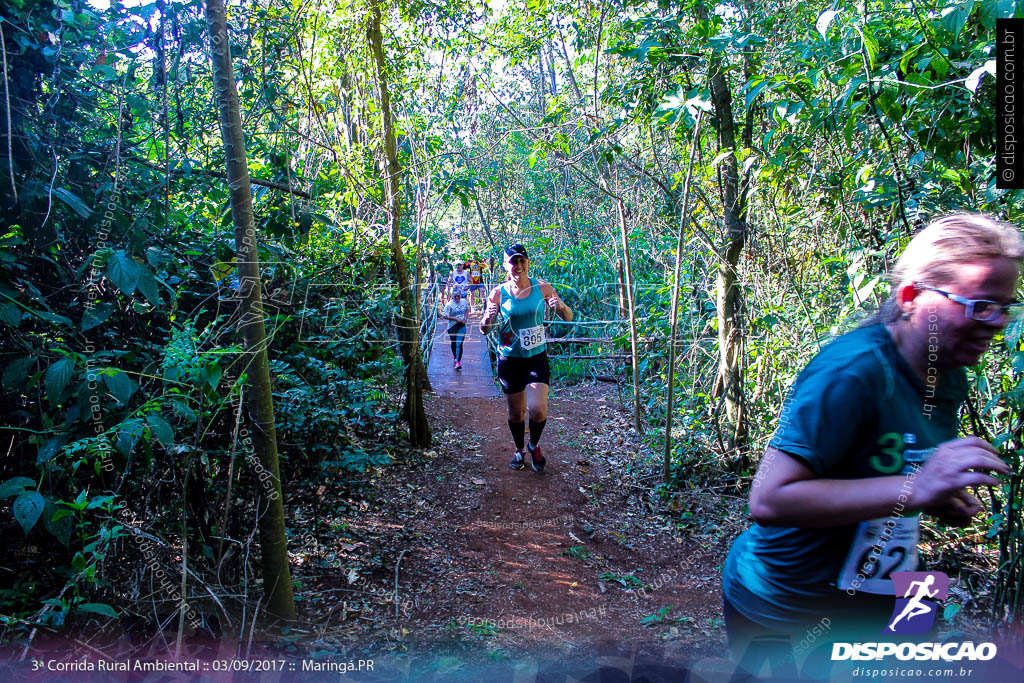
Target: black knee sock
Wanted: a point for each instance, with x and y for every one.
(536, 427)
(518, 430)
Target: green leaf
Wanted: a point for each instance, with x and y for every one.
(1000, 440)
(49, 449)
(212, 373)
(160, 429)
(129, 435)
(98, 608)
(58, 522)
(53, 318)
(991, 10)
(96, 315)
(15, 372)
(754, 88)
(954, 19)
(950, 611)
(147, 285)
(10, 314)
(908, 55)
(78, 562)
(871, 45)
(1011, 336)
(27, 508)
(57, 377)
(639, 52)
(99, 501)
(124, 272)
(15, 486)
(72, 200)
(119, 384)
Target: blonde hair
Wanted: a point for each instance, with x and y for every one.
(934, 254)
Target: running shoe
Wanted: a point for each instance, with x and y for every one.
(536, 457)
(458, 365)
(517, 461)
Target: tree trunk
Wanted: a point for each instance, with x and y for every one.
(483, 220)
(408, 319)
(620, 208)
(620, 290)
(684, 219)
(551, 68)
(277, 580)
(730, 331)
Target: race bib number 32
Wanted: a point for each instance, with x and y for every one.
(531, 337)
(880, 547)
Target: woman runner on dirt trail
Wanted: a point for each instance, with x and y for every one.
(866, 440)
(456, 312)
(518, 305)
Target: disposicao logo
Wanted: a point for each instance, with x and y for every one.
(914, 614)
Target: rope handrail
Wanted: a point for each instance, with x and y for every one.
(581, 325)
(428, 326)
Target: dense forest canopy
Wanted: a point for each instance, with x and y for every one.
(752, 167)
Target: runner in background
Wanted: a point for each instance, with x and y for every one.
(517, 307)
(444, 270)
(476, 268)
(867, 439)
(457, 314)
(459, 281)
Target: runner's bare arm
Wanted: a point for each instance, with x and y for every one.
(786, 492)
(555, 303)
(490, 311)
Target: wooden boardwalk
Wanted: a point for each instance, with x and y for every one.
(475, 378)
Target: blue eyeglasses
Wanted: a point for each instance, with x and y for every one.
(981, 310)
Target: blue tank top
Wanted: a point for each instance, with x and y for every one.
(521, 323)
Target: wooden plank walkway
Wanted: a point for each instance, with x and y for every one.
(474, 379)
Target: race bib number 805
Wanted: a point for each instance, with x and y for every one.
(531, 337)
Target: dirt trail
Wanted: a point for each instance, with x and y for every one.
(521, 561)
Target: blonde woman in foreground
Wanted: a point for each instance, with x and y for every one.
(866, 441)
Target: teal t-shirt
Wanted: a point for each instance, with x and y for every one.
(521, 323)
(856, 411)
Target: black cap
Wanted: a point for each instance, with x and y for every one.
(513, 250)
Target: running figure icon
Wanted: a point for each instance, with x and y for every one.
(915, 607)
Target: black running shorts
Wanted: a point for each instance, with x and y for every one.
(515, 373)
